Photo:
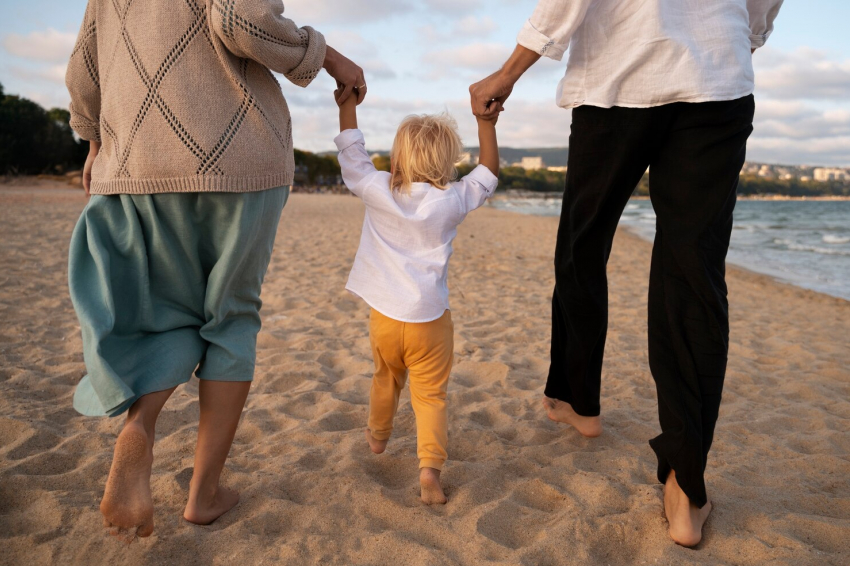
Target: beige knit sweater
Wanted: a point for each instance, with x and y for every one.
(180, 94)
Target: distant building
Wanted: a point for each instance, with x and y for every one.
(562, 169)
(824, 174)
(765, 171)
(531, 163)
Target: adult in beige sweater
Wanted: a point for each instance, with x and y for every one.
(189, 168)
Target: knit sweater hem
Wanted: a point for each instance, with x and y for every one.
(196, 184)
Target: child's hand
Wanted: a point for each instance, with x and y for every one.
(347, 109)
(494, 117)
(350, 101)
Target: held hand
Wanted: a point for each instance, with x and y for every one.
(488, 96)
(350, 101)
(94, 148)
(492, 116)
(347, 74)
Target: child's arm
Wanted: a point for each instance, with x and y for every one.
(481, 183)
(354, 161)
(347, 112)
(488, 145)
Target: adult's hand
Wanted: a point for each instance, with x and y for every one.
(94, 148)
(349, 77)
(489, 96)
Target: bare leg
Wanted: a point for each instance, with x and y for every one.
(686, 519)
(431, 490)
(562, 412)
(377, 446)
(127, 505)
(221, 406)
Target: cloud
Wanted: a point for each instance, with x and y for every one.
(803, 73)
(49, 45)
(362, 51)
(478, 59)
(453, 6)
(468, 27)
(313, 12)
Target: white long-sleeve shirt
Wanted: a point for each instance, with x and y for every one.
(401, 267)
(641, 53)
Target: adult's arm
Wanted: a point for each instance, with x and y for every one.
(762, 14)
(256, 29)
(546, 34)
(83, 80)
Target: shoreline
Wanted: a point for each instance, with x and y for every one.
(506, 195)
(634, 231)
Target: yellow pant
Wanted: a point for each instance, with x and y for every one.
(424, 350)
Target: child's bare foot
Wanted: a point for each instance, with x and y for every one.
(203, 509)
(562, 412)
(377, 446)
(431, 489)
(686, 519)
(127, 506)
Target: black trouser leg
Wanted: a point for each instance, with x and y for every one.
(693, 183)
(609, 152)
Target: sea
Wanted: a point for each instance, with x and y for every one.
(802, 242)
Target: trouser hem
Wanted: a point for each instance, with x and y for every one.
(431, 463)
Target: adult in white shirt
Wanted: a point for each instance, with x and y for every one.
(664, 84)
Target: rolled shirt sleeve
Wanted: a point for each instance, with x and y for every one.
(762, 15)
(551, 26)
(475, 188)
(256, 29)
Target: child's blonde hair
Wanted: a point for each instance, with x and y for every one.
(425, 150)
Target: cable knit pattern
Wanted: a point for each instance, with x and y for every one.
(181, 95)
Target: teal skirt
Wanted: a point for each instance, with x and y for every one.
(166, 285)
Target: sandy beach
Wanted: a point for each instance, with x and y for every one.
(522, 490)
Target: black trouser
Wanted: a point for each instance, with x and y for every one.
(695, 152)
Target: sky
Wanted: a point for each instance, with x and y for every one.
(421, 56)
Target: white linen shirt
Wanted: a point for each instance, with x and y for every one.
(651, 52)
(401, 267)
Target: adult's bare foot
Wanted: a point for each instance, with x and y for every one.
(562, 412)
(431, 491)
(377, 446)
(203, 509)
(686, 519)
(127, 506)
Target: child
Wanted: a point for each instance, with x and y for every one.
(412, 214)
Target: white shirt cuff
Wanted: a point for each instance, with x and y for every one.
(758, 39)
(541, 44)
(485, 177)
(347, 138)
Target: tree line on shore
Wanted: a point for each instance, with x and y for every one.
(36, 141)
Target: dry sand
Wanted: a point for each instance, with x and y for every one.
(522, 490)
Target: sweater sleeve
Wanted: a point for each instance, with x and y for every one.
(83, 80)
(256, 29)
(762, 14)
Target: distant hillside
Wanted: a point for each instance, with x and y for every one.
(552, 156)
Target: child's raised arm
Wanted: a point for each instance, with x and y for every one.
(481, 183)
(489, 147)
(354, 161)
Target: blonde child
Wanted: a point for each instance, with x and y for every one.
(400, 270)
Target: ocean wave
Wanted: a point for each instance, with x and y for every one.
(798, 247)
(833, 239)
